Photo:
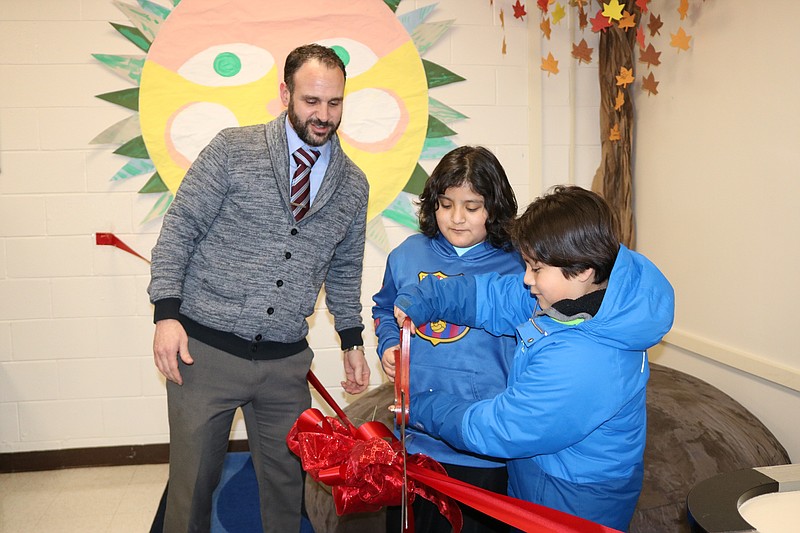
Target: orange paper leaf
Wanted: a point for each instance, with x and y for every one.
(504, 46)
(550, 64)
(620, 100)
(625, 77)
(640, 37)
(583, 19)
(642, 5)
(628, 20)
(545, 26)
(614, 134)
(680, 40)
(502, 19)
(683, 9)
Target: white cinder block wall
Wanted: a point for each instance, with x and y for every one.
(75, 325)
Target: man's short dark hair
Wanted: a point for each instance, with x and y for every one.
(572, 229)
(303, 54)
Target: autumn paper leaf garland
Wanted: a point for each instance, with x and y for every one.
(633, 15)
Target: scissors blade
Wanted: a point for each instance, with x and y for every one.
(404, 504)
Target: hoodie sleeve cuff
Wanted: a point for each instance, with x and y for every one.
(166, 308)
(351, 337)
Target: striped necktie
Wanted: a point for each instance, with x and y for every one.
(301, 184)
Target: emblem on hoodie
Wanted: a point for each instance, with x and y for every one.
(440, 331)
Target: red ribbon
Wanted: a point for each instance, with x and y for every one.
(364, 467)
(109, 239)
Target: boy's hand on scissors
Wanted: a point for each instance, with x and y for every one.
(388, 361)
(400, 315)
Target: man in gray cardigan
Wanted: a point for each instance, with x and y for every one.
(236, 271)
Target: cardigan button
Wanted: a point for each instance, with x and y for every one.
(288, 255)
(279, 283)
(270, 311)
(294, 231)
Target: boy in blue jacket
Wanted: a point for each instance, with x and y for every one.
(572, 420)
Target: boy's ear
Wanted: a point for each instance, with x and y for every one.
(586, 275)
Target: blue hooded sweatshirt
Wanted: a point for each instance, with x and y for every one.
(572, 421)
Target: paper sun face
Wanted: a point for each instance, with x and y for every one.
(207, 70)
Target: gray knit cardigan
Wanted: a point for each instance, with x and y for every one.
(233, 255)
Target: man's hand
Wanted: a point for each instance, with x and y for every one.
(356, 371)
(388, 361)
(169, 342)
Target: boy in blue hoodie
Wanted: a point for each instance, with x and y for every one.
(464, 212)
(572, 420)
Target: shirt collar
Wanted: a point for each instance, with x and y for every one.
(294, 142)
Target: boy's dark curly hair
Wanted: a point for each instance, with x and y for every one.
(480, 169)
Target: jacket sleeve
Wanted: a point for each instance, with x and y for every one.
(343, 280)
(496, 303)
(556, 402)
(196, 204)
(386, 328)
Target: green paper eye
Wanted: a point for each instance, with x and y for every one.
(227, 64)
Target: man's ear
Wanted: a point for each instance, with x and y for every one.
(284, 92)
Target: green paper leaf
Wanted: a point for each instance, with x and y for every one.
(154, 184)
(128, 98)
(135, 167)
(119, 133)
(438, 75)
(159, 11)
(403, 211)
(437, 128)
(443, 112)
(426, 35)
(376, 233)
(416, 183)
(134, 148)
(133, 35)
(412, 19)
(436, 148)
(145, 22)
(129, 67)
(161, 206)
(392, 4)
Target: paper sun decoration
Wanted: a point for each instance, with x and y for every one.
(200, 70)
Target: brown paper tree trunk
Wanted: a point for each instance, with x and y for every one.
(614, 177)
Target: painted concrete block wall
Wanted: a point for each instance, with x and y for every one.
(76, 364)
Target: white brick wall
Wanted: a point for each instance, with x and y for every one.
(75, 324)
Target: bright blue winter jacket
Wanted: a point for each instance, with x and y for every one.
(572, 420)
(467, 362)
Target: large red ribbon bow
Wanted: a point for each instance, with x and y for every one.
(364, 465)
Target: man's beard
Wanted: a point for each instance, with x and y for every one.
(303, 129)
